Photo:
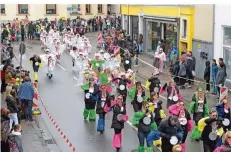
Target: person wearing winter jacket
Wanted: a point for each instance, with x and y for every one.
(15, 139)
(144, 128)
(154, 84)
(169, 128)
(176, 68)
(182, 72)
(5, 129)
(8, 75)
(207, 76)
(36, 63)
(223, 111)
(127, 61)
(214, 75)
(191, 64)
(211, 130)
(221, 75)
(118, 119)
(13, 107)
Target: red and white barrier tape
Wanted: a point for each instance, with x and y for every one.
(56, 125)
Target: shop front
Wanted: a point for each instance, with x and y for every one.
(156, 30)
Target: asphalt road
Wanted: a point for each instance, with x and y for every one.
(65, 103)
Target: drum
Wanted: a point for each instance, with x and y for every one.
(147, 120)
(119, 117)
(212, 136)
(121, 87)
(173, 140)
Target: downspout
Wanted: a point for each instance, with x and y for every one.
(213, 32)
(178, 32)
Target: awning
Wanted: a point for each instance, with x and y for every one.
(161, 19)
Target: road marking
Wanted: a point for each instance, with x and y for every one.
(75, 78)
(77, 85)
(61, 67)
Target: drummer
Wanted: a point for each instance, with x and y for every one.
(118, 119)
(184, 119)
(171, 133)
(223, 111)
(144, 128)
(211, 131)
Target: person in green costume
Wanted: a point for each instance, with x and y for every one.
(97, 63)
(199, 108)
(145, 126)
(91, 90)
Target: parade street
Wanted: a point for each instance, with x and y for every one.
(64, 100)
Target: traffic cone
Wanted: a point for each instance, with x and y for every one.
(35, 108)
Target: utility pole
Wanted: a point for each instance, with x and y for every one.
(22, 50)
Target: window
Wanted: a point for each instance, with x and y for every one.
(22, 8)
(184, 29)
(88, 8)
(100, 8)
(3, 9)
(227, 50)
(75, 8)
(227, 36)
(50, 8)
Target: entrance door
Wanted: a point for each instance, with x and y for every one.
(135, 28)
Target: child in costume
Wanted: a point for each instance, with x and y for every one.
(36, 63)
(184, 119)
(199, 108)
(91, 90)
(104, 98)
(118, 119)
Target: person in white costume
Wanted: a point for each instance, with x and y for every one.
(101, 54)
(59, 50)
(49, 62)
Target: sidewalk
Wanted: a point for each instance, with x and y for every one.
(31, 139)
(145, 71)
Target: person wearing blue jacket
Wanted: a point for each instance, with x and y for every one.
(214, 74)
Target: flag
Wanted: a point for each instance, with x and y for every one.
(103, 77)
(132, 93)
(85, 86)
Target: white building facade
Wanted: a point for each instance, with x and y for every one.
(222, 36)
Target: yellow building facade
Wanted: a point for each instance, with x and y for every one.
(172, 23)
(51, 11)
